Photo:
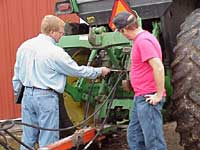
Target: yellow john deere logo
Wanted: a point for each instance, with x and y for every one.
(91, 19)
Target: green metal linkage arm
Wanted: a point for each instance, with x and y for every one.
(92, 56)
(81, 81)
(74, 92)
(102, 87)
(156, 29)
(75, 6)
(81, 94)
(113, 58)
(108, 39)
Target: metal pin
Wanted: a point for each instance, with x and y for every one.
(116, 70)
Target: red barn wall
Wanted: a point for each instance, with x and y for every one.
(19, 20)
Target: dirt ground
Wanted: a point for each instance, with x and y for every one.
(172, 138)
(117, 141)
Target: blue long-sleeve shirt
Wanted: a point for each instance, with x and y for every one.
(42, 64)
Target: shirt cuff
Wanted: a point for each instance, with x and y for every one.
(98, 71)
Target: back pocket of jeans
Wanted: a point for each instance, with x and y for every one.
(48, 103)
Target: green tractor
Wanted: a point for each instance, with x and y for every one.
(104, 100)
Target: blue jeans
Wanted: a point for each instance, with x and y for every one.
(145, 130)
(40, 108)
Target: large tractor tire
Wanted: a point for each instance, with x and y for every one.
(71, 111)
(186, 82)
(76, 110)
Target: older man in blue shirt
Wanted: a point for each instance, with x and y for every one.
(42, 67)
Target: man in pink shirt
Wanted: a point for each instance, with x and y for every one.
(145, 130)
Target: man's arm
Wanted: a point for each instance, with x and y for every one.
(15, 79)
(64, 64)
(159, 76)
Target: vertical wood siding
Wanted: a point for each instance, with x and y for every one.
(19, 20)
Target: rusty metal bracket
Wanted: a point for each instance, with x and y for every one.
(77, 138)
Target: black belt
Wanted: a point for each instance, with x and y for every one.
(40, 89)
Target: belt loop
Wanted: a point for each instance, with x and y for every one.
(32, 90)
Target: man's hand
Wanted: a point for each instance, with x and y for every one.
(153, 99)
(104, 71)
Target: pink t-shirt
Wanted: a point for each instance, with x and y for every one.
(145, 47)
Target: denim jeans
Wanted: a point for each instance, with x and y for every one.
(145, 130)
(40, 108)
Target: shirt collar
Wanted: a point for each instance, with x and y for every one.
(47, 38)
